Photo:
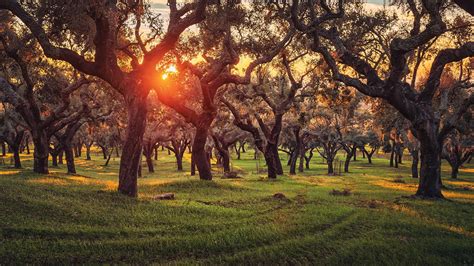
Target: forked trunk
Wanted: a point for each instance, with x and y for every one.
(132, 148)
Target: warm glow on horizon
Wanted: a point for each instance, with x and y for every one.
(170, 70)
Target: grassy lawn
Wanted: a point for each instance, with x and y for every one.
(62, 218)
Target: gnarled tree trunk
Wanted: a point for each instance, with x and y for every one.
(199, 152)
(430, 171)
(132, 148)
(41, 152)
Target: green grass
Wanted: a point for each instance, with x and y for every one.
(62, 218)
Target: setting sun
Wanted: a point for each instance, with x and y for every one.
(170, 70)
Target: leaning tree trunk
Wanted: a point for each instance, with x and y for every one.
(69, 152)
(41, 152)
(149, 162)
(132, 147)
(308, 159)
(104, 152)
(347, 162)
(199, 153)
(276, 155)
(430, 173)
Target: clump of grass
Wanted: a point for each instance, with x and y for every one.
(279, 195)
(344, 192)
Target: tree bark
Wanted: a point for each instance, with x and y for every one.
(302, 160)
(60, 157)
(347, 162)
(454, 171)
(199, 153)
(193, 166)
(430, 171)
(54, 160)
(41, 152)
(16, 156)
(179, 161)
(68, 151)
(132, 148)
(270, 161)
(308, 159)
(330, 167)
(414, 164)
(4, 149)
(149, 163)
(88, 152)
(104, 151)
(392, 155)
(277, 161)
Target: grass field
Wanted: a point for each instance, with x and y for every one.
(62, 218)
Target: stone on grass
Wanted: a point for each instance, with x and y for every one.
(165, 196)
(231, 175)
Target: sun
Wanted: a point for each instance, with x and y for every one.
(170, 70)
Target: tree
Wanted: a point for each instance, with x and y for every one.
(216, 73)
(12, 133)
(278, 94)
(457, 150)
(415, 105)
(225, 135)
(115, 37)
(25, 97)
